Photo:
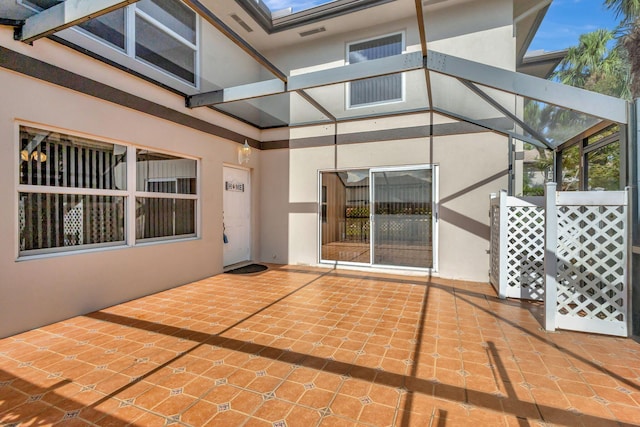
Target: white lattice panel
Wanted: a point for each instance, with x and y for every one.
(525, 252)
(21, 223)
(73, 226)
(592, 263)
(494, 269)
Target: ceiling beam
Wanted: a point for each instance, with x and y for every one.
(495, 104)
(489, 126)
(595, 104)
(346, 73)
(212, 19)
(65, 15)
(361, 70)
(236, 93)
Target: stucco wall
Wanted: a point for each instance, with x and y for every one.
(471, 166)
(34, 292)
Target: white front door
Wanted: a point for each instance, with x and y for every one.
(236, 215)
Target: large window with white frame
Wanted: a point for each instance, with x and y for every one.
(80, 193)
(161, 33)
(375, 90)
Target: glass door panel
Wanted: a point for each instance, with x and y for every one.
(344, 216)
(402, 221)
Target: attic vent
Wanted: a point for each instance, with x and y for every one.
(241, 23)
(314, 31)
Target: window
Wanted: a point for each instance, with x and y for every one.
(381, 89)
(593, 163)
(165, 35)
(75, 193)
(161, 33)
(71, 191)
(165, 198)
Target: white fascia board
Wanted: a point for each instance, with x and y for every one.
(237, 93)
(595, 104)
(361, 70)
(65, 15)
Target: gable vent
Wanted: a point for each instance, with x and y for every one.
(314, 31)
(240, 22)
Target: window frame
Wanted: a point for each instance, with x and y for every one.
(127, 56)
(130, 195)
(348, 105)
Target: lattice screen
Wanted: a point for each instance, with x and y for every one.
(525, 251)
(517, 247)
(73, 226)
(592, 263)
(494, 269)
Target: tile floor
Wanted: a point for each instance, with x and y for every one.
(298, 346)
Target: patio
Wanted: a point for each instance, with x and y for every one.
(302, 346)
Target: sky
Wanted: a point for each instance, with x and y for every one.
(561, 28)
(566, 20)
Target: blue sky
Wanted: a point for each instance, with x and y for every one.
(561, 28)
(567, 19)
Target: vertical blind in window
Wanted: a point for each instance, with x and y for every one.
(173, 179)
(376, 89)
(72, 193)
(51, 211)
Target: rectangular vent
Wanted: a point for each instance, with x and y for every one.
(241, 23)
(314, 31)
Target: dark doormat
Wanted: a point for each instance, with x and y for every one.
(248, 269)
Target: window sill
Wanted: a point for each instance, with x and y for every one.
(68, 252)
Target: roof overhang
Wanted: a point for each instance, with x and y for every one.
(541, 64)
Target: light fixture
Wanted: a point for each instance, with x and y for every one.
(38, 156)
(244, 153)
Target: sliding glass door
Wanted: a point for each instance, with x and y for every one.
(378, 216)
(402, 226)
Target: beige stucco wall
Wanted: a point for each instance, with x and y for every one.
(471, 166)
(35, 292)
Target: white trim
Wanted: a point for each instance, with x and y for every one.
(47, 189)
(347, 85)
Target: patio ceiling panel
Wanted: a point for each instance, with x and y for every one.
(544, 121)
(451, 95)
(327, 77)
(284, 109)
(603, 106)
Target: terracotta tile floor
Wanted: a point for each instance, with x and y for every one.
(297, 346)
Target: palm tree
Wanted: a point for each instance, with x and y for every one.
(594, 66)
(629, 11)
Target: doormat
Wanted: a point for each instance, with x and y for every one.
(248, 269)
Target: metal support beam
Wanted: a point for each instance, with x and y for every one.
(595, 104)
(317, 105)
(475, 89)
(65, 15)
(212, 19)
(488, 126)
(361, 70)
(343, 74)
(237, 93)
